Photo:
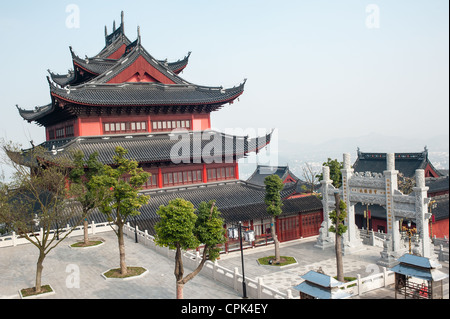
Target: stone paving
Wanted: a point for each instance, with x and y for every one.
(18, 267)
(18, 264)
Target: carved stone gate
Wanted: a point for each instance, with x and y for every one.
(381, 189)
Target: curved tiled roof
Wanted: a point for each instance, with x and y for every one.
(146, 94)
(97, 66)
(160, 147)
(437, 184)
(263, 171)
(237, 201)
(405, 163)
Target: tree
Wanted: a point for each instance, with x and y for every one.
(181, 229)
(405, 184)
(337, 217)
(118, 188)
(335, 172)
(272, 199)
(311, 177)
(35, 204)
(83, 190)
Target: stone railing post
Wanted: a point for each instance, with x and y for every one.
(260, 288)
(359, 284)
(235, 277)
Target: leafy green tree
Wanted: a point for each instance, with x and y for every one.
(335, 172)
(82, 189)
(272, 199)
(337, 218)
(181, 229)
(118, 188)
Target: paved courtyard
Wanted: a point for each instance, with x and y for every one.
(18, 265)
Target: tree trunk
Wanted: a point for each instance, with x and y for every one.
(123, 265)
(179, 271)
(275, 240)
(86, 235)
(39, 268)
(339, 264)
(180, 287)
(338, 241)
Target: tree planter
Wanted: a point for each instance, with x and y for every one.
(47, 290)
(93, 244)
(114, 273)
(288, 262)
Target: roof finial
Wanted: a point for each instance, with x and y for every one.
(139, 34)
(121, 22)
(106, 31)
(114, 25)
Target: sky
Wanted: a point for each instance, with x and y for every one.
(316, 70)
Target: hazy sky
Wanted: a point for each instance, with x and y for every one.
(316, 70)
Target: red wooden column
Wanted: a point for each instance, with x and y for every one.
(160, 179)
(205, 175)
(236, 170)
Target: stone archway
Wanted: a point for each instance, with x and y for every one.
(380, 189)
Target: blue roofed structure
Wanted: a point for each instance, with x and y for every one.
(320, 286)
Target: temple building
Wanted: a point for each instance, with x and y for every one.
(123, 96)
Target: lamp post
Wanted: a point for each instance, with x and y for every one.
(367, 216)
(135, 230)
(232, 235)
(409, 234)
(244, 285)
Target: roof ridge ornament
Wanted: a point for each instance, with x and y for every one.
(139, 34)
(122, 25)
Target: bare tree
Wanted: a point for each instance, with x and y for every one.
(310, 176)
(35, 204)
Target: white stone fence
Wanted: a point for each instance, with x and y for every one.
(363, 285)
(372, 238)
(14, 239)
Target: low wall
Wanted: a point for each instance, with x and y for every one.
(363, 285)
(14, 240)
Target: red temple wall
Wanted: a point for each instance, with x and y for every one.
(162, 181)
(118, 54)
(201, 122)
(142, 67)
(429, 172)
(92, 126)
(440, 228)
